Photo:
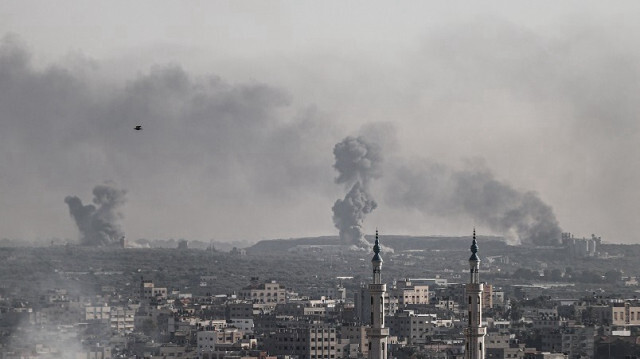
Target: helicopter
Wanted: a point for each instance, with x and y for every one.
(138, 128)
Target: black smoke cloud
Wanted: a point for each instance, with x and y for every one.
(358, 161)
(99, 223)
(437, 189)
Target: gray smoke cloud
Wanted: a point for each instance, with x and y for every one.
(437, 189)
(245, 144)
(358, 161)
(99, 224)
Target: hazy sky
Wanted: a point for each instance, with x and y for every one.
(242, 103)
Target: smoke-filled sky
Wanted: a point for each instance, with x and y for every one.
(242, 103)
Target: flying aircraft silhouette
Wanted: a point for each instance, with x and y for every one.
(138, 128)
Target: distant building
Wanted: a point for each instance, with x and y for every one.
(487, 296)
(269, 292)
(357, 336)
(309, 341)
(579, 342)
(209, 342)
(148, 291)
(625, 314)
(97, 313)
(122, 319)
(240, 310)
(580, 247)
(406, 293)
(503, 346)
(417, 328)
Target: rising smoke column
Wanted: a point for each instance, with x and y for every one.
(357, 162)
(436, 189)
(99, 224)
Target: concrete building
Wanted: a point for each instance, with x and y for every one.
(406, 293)
(245, 325)
(122, 319)
(312, 341)
(357, 336)
(487, 296)
(209, 342)
(475, 332)
(579, 342)
(625, 314)
(417, 328)
(148, 291)
(97, 313)
(240, 310)
(503, 346)
(580, 247)
(265, 293)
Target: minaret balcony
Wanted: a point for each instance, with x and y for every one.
(373, 287)
(377, 332)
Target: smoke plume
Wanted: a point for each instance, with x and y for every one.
(357, 162)
(436, 189)
(98, 223)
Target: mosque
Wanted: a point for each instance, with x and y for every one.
(474, 332)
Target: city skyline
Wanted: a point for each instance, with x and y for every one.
(242, 104)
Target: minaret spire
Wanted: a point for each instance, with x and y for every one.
(475, 332)
(377, 333)
(474, 248)
(376, 250)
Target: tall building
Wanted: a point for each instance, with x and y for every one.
(377, 333)
(475, 332)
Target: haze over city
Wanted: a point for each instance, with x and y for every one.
(488, 114)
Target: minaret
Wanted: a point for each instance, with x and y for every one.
(475, 332)
(377, 332)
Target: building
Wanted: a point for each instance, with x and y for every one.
(122, 319)
(357, 336)
(240, 310)
(417, 328)
(312, 341)
(211, 341)
(581, 247)
(148, 291)
(487, 296)
(406, 293)
(474, 332)
(97, 313)
(503, 346)
(265, 293)
(625, 314)
(579, 342)
(377, 333)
